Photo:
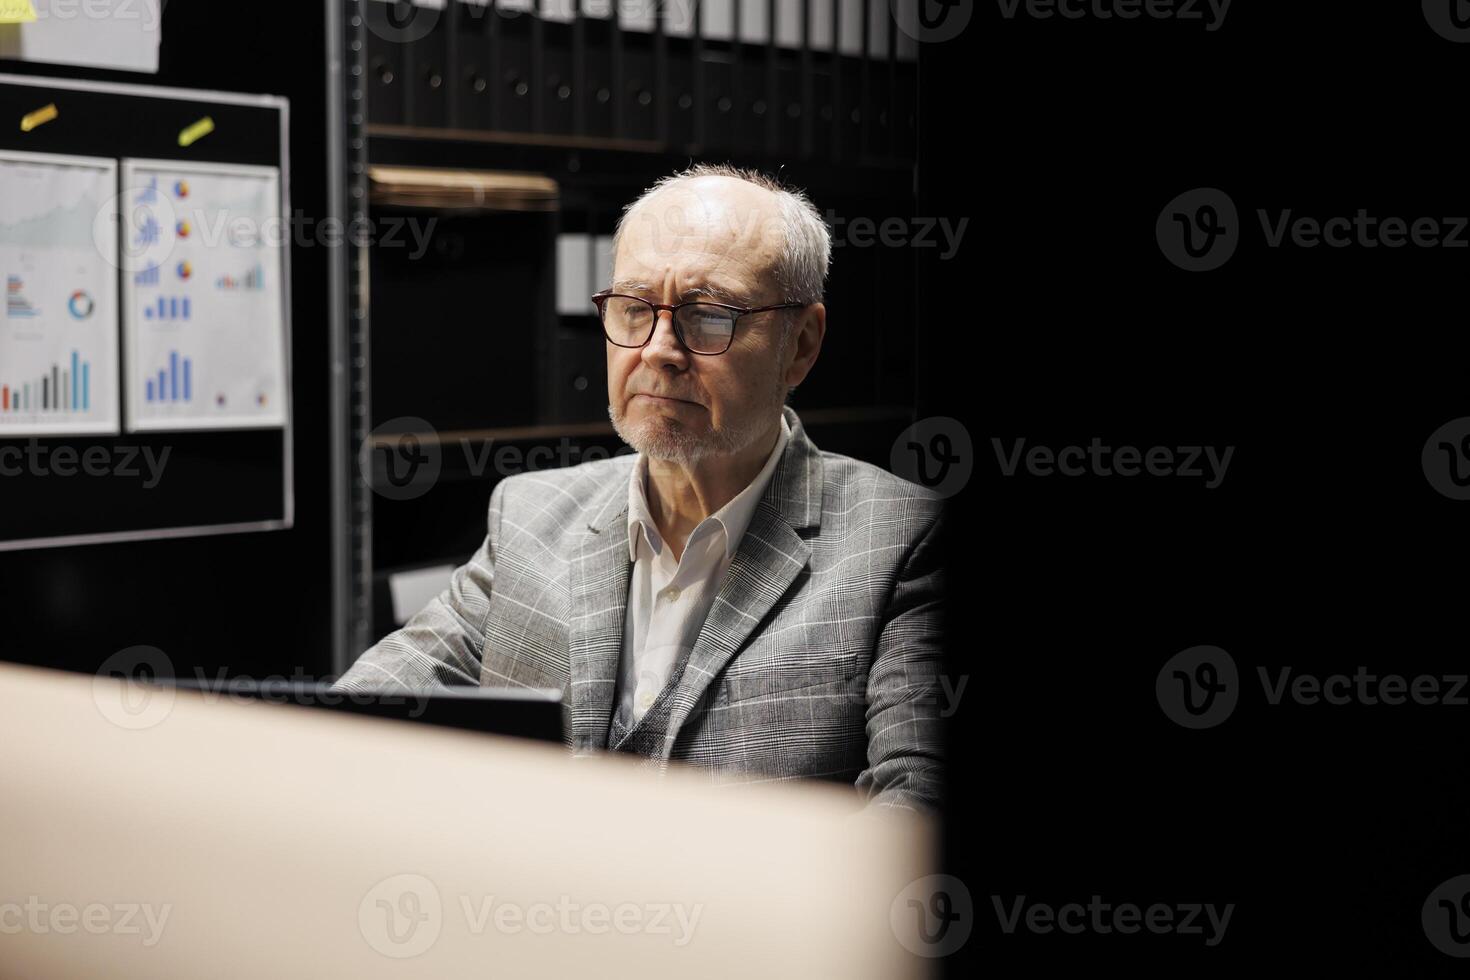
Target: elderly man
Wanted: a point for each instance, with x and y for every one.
(731, 597)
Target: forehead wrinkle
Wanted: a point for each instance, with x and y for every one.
(702, 291)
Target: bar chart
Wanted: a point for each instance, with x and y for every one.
(251, 279)
(62, 390)
(174, 383)
(58, 329)
(167, 308)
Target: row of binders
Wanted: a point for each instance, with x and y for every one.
(830, 80)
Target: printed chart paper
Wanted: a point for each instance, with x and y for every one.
(203, 298)
(58, 332)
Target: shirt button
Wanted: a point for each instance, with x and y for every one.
(671, 593)
(645, 700)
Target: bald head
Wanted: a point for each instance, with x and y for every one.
(740, 224)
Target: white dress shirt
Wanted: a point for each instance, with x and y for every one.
(667, 599)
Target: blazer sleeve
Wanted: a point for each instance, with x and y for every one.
(440, 646)
(906, 699)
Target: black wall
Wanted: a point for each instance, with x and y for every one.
(1326, 548)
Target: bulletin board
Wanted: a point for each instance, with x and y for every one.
(145, 338)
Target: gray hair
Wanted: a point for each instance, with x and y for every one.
(801, 267)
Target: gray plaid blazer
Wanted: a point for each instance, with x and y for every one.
(820, 657)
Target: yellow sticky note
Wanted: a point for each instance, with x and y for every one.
(41, 116)
(17, 12)
(196, 131)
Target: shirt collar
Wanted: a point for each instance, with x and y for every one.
(734, 517)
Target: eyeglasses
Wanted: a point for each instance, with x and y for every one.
(703, 328)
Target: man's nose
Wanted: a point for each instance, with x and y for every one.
(664, 346)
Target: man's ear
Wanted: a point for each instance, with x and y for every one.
(807, 334)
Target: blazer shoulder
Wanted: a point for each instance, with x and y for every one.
(854, 483)
(564, 494)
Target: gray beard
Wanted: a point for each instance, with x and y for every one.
(666, 439)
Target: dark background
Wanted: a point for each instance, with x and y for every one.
(1324, 549)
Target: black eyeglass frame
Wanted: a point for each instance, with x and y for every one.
(600, 301)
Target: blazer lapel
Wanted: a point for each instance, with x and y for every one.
(598, 581)
(770, 557)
